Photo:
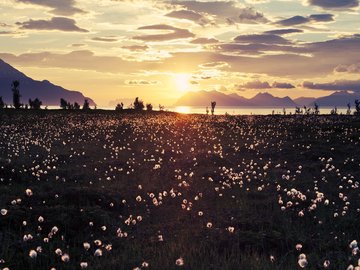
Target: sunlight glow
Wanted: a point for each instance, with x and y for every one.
(183, 109)
(182, 82)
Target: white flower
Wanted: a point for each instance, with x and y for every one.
(4, 212)
(179, 262)
(33, 254)
(98, 253)
(65, 257)
(86, 246)
(83, 265)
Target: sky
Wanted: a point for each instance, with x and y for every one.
(159, 50)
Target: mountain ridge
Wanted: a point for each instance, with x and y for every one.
(264, 99)
(49, 93)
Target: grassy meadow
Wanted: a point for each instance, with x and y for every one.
(160, 190)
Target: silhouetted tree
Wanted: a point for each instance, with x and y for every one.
(213, 105)
(207, 110)
(16, 94)
(357, 107)
(63, 104)
(284, 111)
(76, 106)
(35, 104)
(307, 111)
(298, 110)
(334, 111)
(119, 107)
(138, 104)
(2, 104)
(348, 111)
(161, 108)
(86, 105)
(316, 108)
(149, 107)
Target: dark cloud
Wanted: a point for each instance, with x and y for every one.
(78, 45)
(340, 85)
(262, 39)
(282, 85)
(334, 4)
(255, 85)
(283, 31)
(141, 82)
(105, 39)
(264, 85)
(136, 48)
(175, 33)
(204, 41)
(321, 17)
(297, 20)
(59, 7)
(56, 23)
(250, 15)
(353, 68)
(213, 65)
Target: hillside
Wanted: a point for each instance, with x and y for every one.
(50, 94)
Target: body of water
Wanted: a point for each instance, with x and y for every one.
(233, 110)
(221, 110)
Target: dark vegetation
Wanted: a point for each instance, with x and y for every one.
(219, 192)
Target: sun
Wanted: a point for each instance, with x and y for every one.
(182, 82)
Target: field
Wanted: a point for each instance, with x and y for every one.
(124, 190)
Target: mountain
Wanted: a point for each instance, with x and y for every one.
(203, 98)
(268, 100)
(47, 92)
(338, 99)
(304, 101)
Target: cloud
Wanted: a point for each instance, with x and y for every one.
(214, 65)
(264, 85)
(204, 41)
(263, 39)
(334, 4)
(189, 15)
(224, 12)
(284, 31)
(59, 7)
(136, 48)
(81, 60)
(105, 39)
(353, 68)
(254, 85)
(340, 85)
(250, 15)
(282, 85)
(297, 20)
(175, 33)
(141, 82)
(55, 23)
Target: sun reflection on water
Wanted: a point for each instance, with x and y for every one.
(183, 109)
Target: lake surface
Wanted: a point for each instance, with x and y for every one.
(221, 110)
(232, 110)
